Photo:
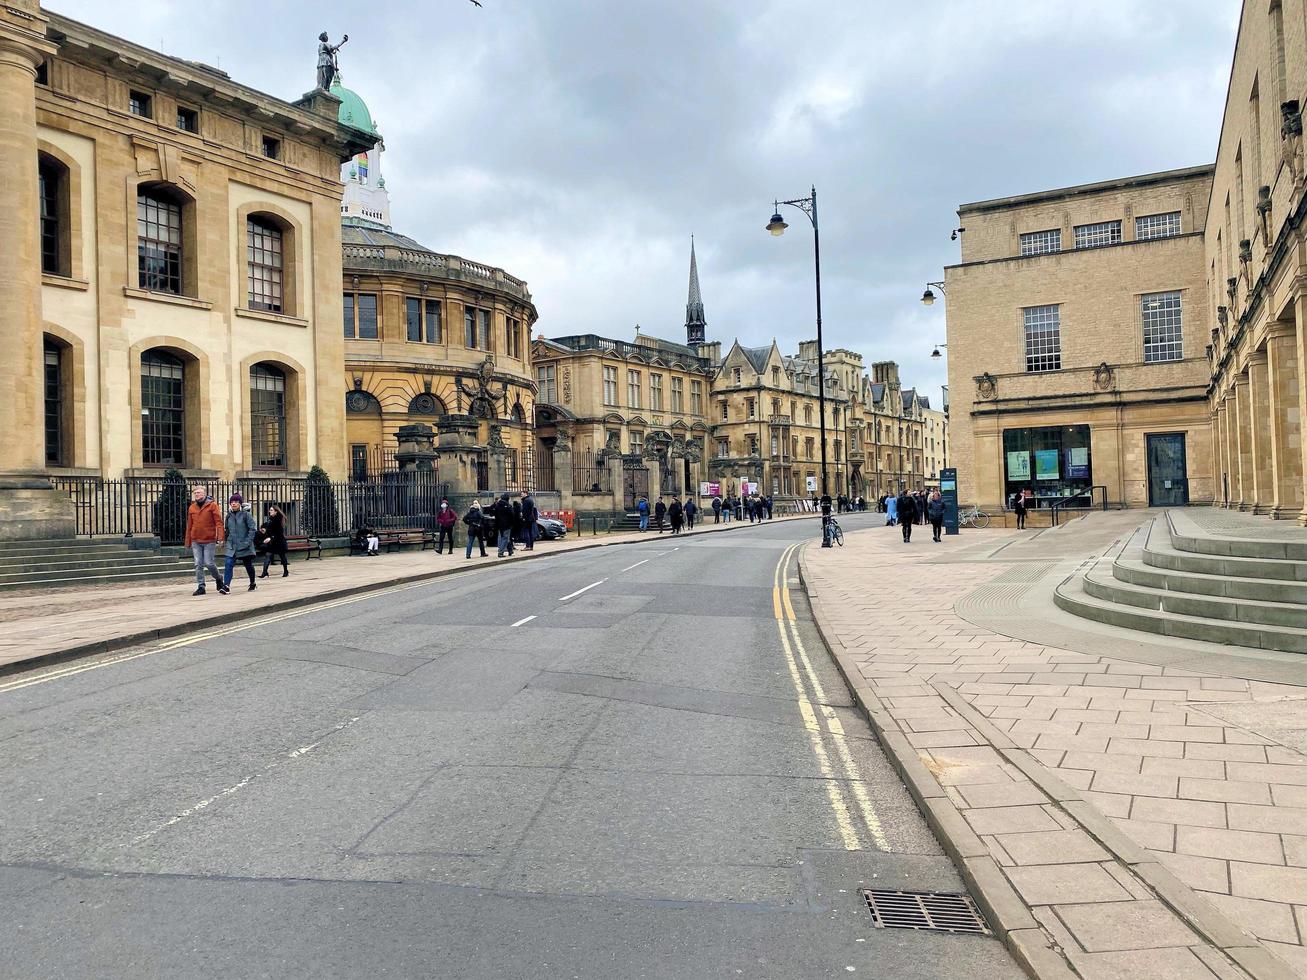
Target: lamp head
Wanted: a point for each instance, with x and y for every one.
(777, 225)
(928, 297)
(936, 354)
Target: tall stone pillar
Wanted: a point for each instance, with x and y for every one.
(1222, 460)
(1243, 441)
(1286, 440)
(1300, 350)
(1259, 426)
(30, 507)
(416, 449)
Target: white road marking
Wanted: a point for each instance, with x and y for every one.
(523, 622)
(573, 595)
(636, 565)
(206, 803)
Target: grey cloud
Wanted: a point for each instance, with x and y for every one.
(579, 144)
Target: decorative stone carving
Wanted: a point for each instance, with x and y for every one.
(986, 385)
(359, 402)
(1291, 138)
(496, 441)
(611, 448)
(482, 396)
(563, 440)
(424, 404)
(1104, 376)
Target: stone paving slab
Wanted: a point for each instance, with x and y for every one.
(1055, 761)
(43, 624)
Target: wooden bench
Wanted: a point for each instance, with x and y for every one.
(393, 538)
(305, 543)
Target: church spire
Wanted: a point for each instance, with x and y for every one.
(694, 321)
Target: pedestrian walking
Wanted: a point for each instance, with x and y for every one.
(529, 516)
(240, 532)
(503, 513)
(445, 521)
(273, 538)
(935, 511)
(204, 531)
(691, 511)
(748, 508)
(1019, 506)
(676, 515)
(642, 508)
(907, 514)
(728, 508)
(891, 510)
(475, 521)
(717, 510)
(660, 514)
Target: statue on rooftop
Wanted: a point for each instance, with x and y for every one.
(328, 68)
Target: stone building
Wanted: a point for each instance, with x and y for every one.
(430, 339)
(934, 435)
(173, 283)
(1255, 268)
(1077, 324)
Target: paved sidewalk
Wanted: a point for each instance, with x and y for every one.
(48, 622)
(1118, 816)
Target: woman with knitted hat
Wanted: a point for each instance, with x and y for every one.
(241, 531)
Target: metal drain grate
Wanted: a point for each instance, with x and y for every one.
(933, 911)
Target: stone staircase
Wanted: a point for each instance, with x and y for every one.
(1173, 578)
(86, 561)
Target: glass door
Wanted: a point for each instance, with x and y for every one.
(1168, 480)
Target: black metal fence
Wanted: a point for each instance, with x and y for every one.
(140, 506)
(588, 473)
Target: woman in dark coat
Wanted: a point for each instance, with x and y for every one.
(676, 515)
(935, 512)
(272, 536)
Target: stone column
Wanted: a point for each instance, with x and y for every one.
(1243, 441)
(1259, 427)
(416, 448)
(1221, 427)
(30, 507)
(1300, 350)
(1286, 443)
(1231, 441)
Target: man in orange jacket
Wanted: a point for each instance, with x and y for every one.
(204, 532)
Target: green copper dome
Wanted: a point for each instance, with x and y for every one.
(353, 110)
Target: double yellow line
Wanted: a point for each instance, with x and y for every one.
(841, 772)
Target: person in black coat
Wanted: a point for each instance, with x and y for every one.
(676, 515)
(691, 509)
(660, 514)
(907, 504)
(529, 516)
(1019, 507)
(476, 528)
(503, 513)
(935, 512)
(272, 538)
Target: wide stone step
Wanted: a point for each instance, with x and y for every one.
(1072, 597)
(70, 559)
(1101, 582)
(1209, 564)
(79, 546)
(1187, 535)
(1136, 572)
(146, 562)
(74, 580)
(38, 576)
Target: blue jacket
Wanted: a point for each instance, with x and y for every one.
(642, 507)
(892, 507)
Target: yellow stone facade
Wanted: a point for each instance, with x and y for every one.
(117, 325)
(1077, 325)
(1255, 260)
(452, 349)
(644, 400)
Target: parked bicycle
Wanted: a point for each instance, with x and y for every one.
(835, 532)
(973, 517)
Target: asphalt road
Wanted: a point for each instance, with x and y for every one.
(652, 777)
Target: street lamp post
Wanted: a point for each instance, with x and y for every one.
(777, 226)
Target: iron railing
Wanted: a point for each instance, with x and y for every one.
(588, 472)
(1077, 500)
(143, 506)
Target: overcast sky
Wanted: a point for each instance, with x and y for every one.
(579, 144)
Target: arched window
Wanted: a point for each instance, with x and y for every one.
(263, 240)
(425, 403)
(518, 415)
(159, 241)
(163, 409)
(56, 396)
(55, 246)
(268, 417)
